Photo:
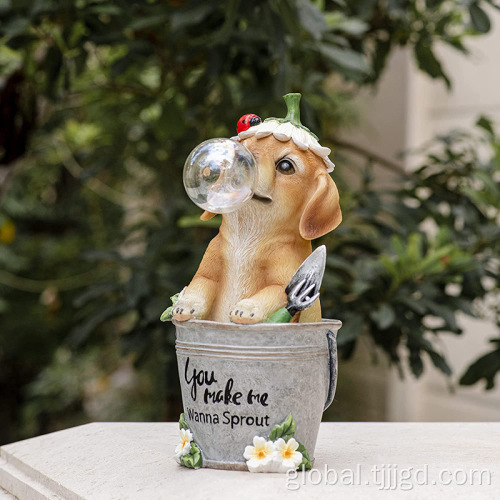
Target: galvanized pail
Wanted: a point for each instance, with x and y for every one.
(238, 381)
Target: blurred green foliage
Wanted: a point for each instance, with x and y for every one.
(100, 103)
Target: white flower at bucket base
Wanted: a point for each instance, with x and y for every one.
(286, 457)
(184, 447)
(280, 453)
(260, 456)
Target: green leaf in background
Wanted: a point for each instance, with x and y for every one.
(345, 58)
(311, 18)
(439, 362)
(479, 19)
(384, 316)
(486, 123)
(429, 63)
(352, 328)
(485, 367)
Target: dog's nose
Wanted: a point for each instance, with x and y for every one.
(265, 180)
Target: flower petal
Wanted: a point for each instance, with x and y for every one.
(269, 466)
(275, 464)
(292, 444)
(330, 166)
(299, 137)
(279, 444)
(249, 452)
(319, 150)
(297, 458)
(186, 435)
(247, 133)
(253, 467)
(285, 466)
(284, 131)
(265, 129)
(259, 442)
(289, 463)
(270, 447)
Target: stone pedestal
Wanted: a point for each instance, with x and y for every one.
(353, 460)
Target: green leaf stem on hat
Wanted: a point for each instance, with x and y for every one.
(293, 112)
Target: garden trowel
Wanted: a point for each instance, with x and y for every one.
(303, 288)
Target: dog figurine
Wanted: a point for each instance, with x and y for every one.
(247, 266)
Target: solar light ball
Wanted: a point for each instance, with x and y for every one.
(220, 175)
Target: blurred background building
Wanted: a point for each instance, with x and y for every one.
(406, 110)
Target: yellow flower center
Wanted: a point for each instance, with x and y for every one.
(286, 453)
(185, 441)
(261, 453)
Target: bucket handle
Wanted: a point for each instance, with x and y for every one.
(332, 365)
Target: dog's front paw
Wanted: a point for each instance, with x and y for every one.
(246, 312)
(186, 309)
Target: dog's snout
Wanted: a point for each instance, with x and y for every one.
(265, 181)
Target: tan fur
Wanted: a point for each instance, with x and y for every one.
(247, 266)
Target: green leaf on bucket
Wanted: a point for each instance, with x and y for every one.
(193, 459)
(187, 461)
(285, 430)
(306, 459)
(182, 422)
(167, 313)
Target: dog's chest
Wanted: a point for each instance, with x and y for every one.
(241, 260)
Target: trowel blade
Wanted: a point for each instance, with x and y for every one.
(311, 270)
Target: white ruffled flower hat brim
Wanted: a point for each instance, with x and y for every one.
(284, 131)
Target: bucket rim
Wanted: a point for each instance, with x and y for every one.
(336, 324)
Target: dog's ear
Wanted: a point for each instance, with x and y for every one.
(322, 213)
(207, 215)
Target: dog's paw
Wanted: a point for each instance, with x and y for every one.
(246, 312)
(186, 309)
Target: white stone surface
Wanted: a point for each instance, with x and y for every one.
(135, 461)
(5, 496)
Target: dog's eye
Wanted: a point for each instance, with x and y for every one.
(285, 167)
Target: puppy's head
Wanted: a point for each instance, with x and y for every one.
(294, 190)
(302, 193)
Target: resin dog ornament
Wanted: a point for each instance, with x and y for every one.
(257, 365)
(248, 265)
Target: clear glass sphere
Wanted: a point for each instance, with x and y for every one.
(220, 175)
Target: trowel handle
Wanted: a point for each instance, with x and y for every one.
(332, 368)
(280, 316)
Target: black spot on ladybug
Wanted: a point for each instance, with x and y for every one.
(255, 120)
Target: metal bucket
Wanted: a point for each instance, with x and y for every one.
(238, 381)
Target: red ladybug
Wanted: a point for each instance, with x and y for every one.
(247, 121)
